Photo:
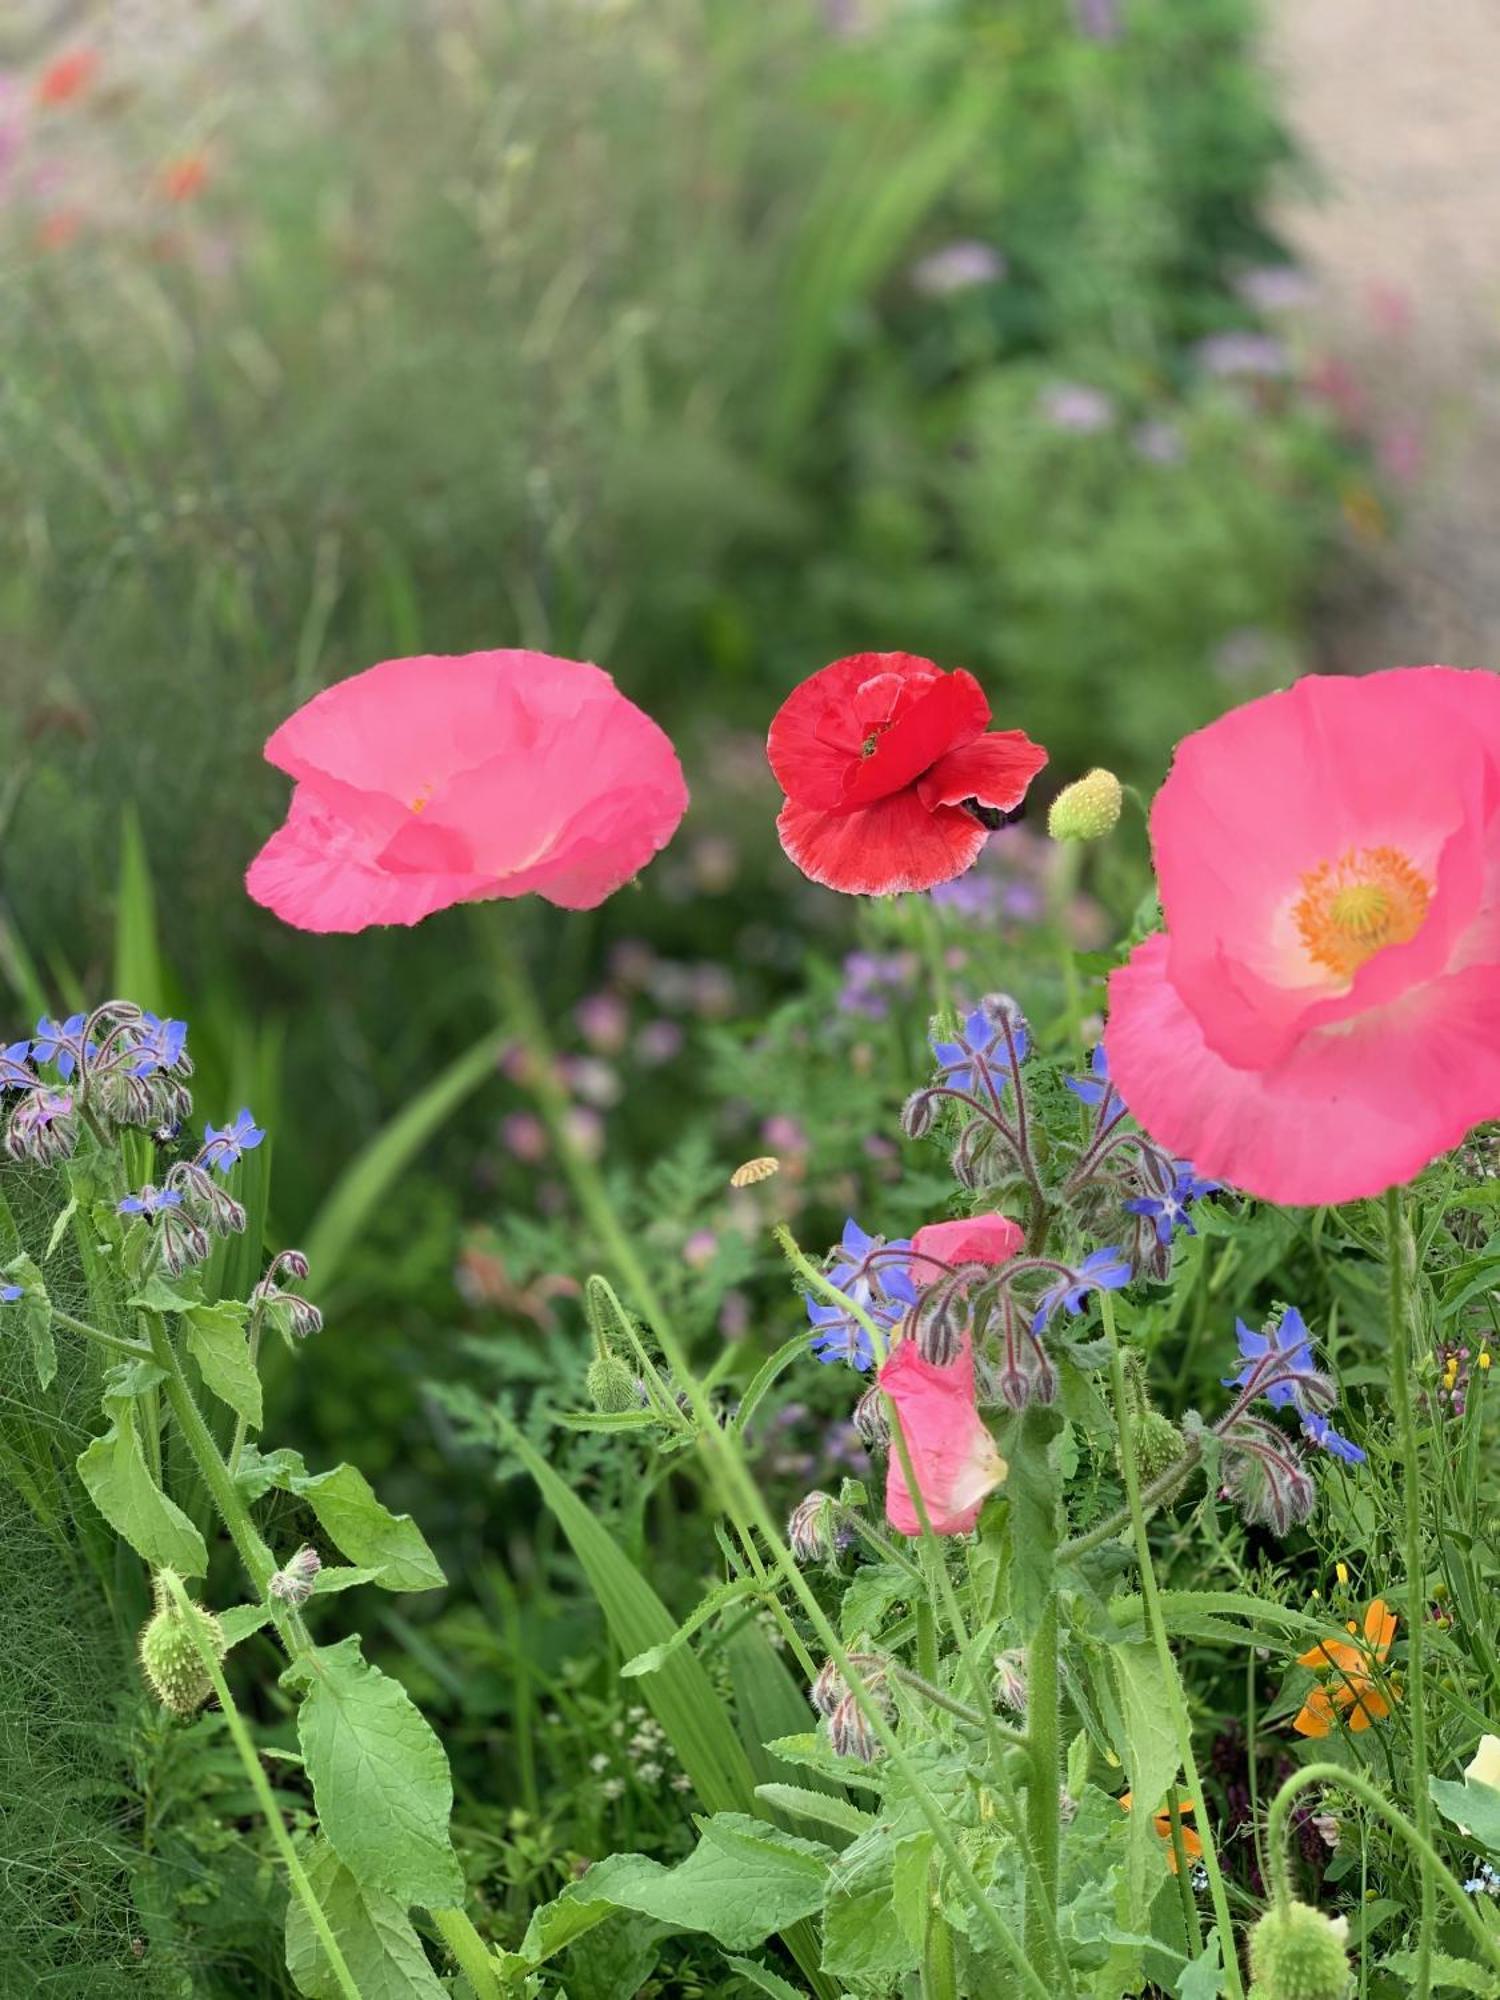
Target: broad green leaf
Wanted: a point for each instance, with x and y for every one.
(157, 1296)
(1029, 1445)
(1148, 1751)
(814, 1753)
(359, 1525)
(863, 1937)
(824, 1807)
(911, 1891)
(33, 1313)
(372, 1930)
(114, 1470)
(743, 1881)
(1203, 1978)
(216, 1340)
(379, 1776)
(718, 1599)
(372, 1172)
(1472, 1807)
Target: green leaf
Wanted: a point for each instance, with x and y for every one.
(763, 1977)
(1147, 1747)
(379, 1776)
(718, 1599)
(157, 1296)
(114, 1470)
(863, 1937)
(373, 1538)
(372, 1172)
(216, 1340)
(60, 1227)
(1203, 1978)
(138, 968)
(742, 1881)
(1472, 1807)
(372, 1930)
(1029, 1445)
(1461, 1973)
(243, 1619)
(824, 1807)
(34, 1311)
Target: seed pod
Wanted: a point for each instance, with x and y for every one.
(1296, 1953)
(170, 1655)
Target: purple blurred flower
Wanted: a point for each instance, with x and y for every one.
(1242, 354)
(700, 1249)
(1275, 288)
(524, 1136)
(604, 1022)
(870, 978)
(957, 267)
(1075, 407)
(1098, 20)
(782, 1134)
(658, 1042)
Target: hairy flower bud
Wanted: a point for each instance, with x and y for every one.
(293, 1585)
(1267, 1479)
(1296, 1953)
(171, 1655)
(850, 1733)
(181, 1242)
(828, 1690)
(294, 1263)
(611, 1386)
(918, 1113)
(872, 1419)
(1087, 809)
(1010, 1680)
(811, 1531)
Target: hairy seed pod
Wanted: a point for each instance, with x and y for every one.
(170, 1653)
(1296, 1953)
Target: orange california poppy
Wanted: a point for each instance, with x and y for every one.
(1192, 1846)
(1351, 1694)
(67, 77)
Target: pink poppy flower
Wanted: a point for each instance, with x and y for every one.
(432, 781)
(973, 1239)
(952, 1454)
(893, 778)
(1321, 1015)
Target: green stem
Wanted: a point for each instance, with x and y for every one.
(722, 1451)
(1315, 1776)
(260, 1785)
(1161, 1489)
(1151, 1598)
(1043, 1786)
(1190, 1926)
(1396, 1245)
(469, 1951)
(135, 1350)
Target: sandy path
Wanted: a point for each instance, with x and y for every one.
(1397, 104)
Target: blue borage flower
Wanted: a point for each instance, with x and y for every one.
(14, 1074)
(1169, 1210)
(149, 1201)
(1101, 1271)
(156, 1044)
(1096, 1087)
(1320, 1431)
(980, 1059)
(1281, 1366)
(222, 1148)
(61, 1043)
(873, 1274)
(10, 1293)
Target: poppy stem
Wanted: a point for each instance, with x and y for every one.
(1156, 1625)
(1399, 1252)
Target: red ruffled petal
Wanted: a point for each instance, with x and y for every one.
(997, 770)
(883, 849)
(909, 711)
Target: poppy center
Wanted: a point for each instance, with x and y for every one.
(1351, 908)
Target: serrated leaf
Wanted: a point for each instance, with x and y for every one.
(119, 1483)
(763, 1977)
(360, 1525)
(60, 1228)
(1203, 1978)
(1147, 1747)
(216, 1340)
(863, 1937)
(823, 1807)
(718, 1599)
(1460, 1974)
(379, 1775)
(382, 1951)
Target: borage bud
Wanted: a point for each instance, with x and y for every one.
(828, 1690)
(850, 1733)
(1267, 1479)
(811, 1530)
(1006, 1015)
(294, 1584)
(303, 1316)
(872, 1419)
(1010, 1680)
(918, 1113)
(171, 1658)
(1296, 1953)
(42, 1128)
(1087, 809)
(181, 1242)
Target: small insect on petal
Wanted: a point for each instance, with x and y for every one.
(755, 1170)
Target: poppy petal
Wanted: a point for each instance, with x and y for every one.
(996, 770)
(908, 711)
(883, 849)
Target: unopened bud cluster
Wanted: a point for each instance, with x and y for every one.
(294, 1317)
(850, 1732)
(293, 1585)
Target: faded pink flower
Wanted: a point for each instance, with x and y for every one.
(973, 1239)
(952, 1455)
(438, 780)
(1321, 1015)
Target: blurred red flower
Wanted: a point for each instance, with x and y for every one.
(183, 178)
(67, 77)
(891, 781)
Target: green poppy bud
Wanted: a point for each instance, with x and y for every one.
(611, 1386)
(1087, 809)
(170, 1652)
(1296, 1953)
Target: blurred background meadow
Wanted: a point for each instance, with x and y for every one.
(709, 341)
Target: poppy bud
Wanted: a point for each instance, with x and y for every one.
(171, 1655)
(1087, 809)
(611, 1386)
(1296, 1953)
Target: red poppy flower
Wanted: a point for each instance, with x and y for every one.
(893, 779)
(68, 77)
